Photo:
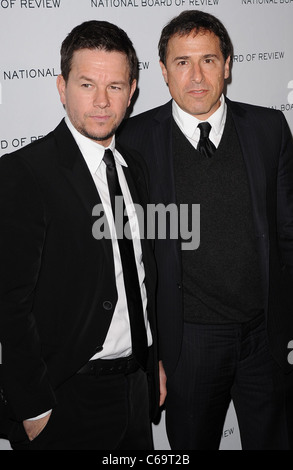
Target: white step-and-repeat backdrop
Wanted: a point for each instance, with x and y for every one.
(31, 32)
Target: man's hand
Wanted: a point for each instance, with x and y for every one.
(34, 428)
(163, 382)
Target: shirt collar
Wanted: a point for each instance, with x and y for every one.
(188, 123)
(92, 151)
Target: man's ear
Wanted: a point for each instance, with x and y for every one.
(61, 86)
(164, 72)
(227, 67)
(132, 90)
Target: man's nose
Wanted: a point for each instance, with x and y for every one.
(197, 74)
(101, 99)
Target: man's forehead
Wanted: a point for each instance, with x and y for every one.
(204, 39)
(194, 35)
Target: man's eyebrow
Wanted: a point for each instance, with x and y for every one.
(210, 56)
(183, 57)
(186, 57)
(87, 79)
(113, 82)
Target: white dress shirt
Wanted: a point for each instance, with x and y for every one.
(188, 123)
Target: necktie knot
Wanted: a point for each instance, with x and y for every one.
(205, 129)
(205, 145)
(109, 158)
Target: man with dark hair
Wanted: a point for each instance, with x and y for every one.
(225, 309)
(77, 327)
(99, 35)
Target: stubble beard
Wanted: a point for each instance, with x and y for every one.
(98, 138)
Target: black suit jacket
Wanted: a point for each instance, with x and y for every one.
(267, 148)
(56, 280)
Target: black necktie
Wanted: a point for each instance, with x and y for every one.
(131, 281)
(205, 146)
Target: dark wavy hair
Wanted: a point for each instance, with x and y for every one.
(194, 21)
(99, 35)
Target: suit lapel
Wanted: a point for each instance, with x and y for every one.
(253, 158)
(134, 182)
(252, 154)
(78, 175)
(75, 168)
(162, 143)
(165, 189)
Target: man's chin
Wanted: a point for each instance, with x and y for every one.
(97, 137)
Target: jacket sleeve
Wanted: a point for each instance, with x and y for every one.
(22, 237)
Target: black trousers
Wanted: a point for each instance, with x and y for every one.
(223, 362)
(95, 413)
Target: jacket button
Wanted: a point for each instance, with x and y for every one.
(107, 305)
